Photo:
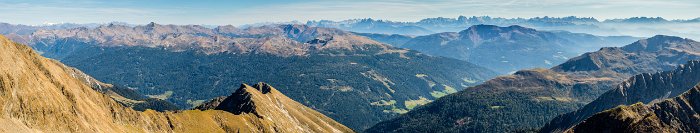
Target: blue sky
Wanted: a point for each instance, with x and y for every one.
(239, 12)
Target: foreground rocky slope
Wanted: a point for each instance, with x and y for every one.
(189, 64)
(40, 95)
(528, 99)
(677, 114)
(123, 95)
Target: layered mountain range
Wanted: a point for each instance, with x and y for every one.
(505, 49)
(283, 40)
(634, 26)
(351, 78)
(528, 99)
(41, 95)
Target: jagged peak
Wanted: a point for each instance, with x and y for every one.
(243, 101)
(680, 70)
(263, 87)
(151, 24)
(645, 87)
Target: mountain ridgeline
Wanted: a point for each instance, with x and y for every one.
(42, 95)
(644, 88)
(677, 114)
(633, 26)
(505, 49)
(353, 79)
(528, 99)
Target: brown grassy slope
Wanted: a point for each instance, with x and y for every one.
(37, 94)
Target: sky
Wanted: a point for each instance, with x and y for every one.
(240, 12)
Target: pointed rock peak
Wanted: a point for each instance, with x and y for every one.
(366, 20)
(242, 100)
(151, 24)
(263, 87)
(294, 29)
(239, 102)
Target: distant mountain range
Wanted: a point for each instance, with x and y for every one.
(505, 49)
(634, 26)
(351, 78)
(528, 99)
(41, 95)
(364, 76)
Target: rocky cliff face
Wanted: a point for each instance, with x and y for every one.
(677, 114)
(40, 95)
(656, 53)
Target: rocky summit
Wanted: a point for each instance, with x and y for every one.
(40, 95)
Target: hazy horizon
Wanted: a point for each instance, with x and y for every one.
(338, 20)
(221, 12)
